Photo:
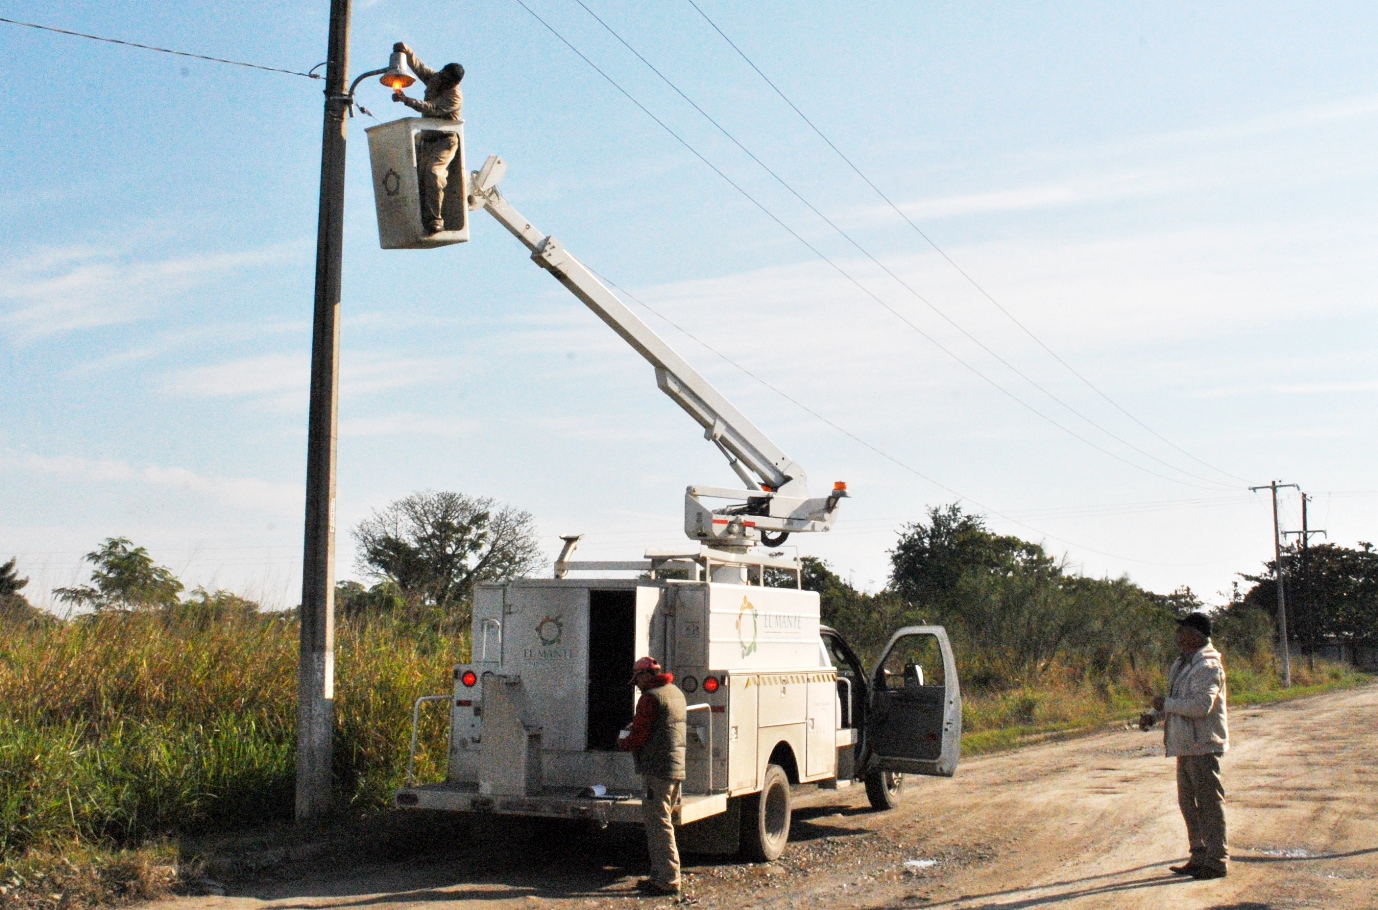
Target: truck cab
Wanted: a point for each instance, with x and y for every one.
(776, 700)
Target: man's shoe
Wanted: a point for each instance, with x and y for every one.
(1187, 868)
(651, 886)
(435, 228)
(1201, 873)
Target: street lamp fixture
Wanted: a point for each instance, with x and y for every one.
(396, 77)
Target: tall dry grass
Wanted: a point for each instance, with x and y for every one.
(118, 728)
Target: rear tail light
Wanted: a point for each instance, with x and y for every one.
(470, 678)
(710, 684)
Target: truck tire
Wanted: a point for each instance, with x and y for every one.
(883, 789)
(765, 818)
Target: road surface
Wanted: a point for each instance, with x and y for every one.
(1088, 822)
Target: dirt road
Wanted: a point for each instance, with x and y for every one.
(1090, 822)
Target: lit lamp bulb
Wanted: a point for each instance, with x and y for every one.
(398, 75)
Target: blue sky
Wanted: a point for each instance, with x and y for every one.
(1176, 199)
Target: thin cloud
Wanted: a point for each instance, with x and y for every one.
(238, 492)
(284, 379)
(57, 291)
(407, 425)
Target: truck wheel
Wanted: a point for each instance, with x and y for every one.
(765, 818)
(883, 789)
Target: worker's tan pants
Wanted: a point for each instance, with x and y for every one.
(434, 152)
(657, 813)
(1202, 798)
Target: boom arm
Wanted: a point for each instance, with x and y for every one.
(777, 499)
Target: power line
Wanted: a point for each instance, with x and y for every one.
(841, 271)
(867, 253)
(876, 449)
(161, 50)
(966, 275)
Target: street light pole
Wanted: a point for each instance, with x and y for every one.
(1284, 648)
(316, 664)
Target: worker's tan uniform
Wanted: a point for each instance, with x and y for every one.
(1196, 732)
(434, 150)
(657, 742)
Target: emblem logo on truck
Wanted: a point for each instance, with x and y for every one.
(746, 619)
(549, 630)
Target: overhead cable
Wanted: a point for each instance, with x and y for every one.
(161, 50)
(867, 253)
(868, 445)
(841, 271)
(950, 261)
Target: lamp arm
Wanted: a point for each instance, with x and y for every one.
(362, 76)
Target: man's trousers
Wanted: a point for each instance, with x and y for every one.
(1202, 798)
(434, 152)
(657, 814)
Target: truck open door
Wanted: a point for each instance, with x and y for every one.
(914, 725)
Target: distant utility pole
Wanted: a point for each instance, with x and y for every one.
(1282, 591)
(1307, 606)
(316, 664)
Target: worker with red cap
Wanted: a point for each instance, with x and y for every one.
(656, 740)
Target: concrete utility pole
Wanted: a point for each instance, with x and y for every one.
(316, 666)
(1307, 606)
(1282, 591)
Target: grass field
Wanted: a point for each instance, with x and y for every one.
(122, 733)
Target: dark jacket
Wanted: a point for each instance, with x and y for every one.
(658, 732)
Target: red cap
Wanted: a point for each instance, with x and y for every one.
(644, 665)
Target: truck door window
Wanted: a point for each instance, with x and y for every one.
(916, 660)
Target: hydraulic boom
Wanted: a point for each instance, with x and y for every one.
(776, 501)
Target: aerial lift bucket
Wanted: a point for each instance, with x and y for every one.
(392, 149)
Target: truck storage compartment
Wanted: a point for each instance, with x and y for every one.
(611, 652)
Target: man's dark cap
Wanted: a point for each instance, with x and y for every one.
(1199, 622)
(454, 71)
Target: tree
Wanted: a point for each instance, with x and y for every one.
(1335, 597)
(10, 582)
(435, 546)
(931, 560)
(15, 607)
(124, 577)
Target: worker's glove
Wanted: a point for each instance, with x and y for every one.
(401, 47)
(1146, 721)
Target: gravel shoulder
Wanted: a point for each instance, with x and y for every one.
(1088, 822)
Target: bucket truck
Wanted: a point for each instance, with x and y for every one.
(776, 699)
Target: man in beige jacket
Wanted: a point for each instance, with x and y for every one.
(436, 149)
(1196, 733)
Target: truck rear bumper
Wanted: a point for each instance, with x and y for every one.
(550, 804)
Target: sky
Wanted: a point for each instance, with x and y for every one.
(1122, 270)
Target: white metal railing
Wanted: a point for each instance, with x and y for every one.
(415, 720)
(709, 725)
(847, 702)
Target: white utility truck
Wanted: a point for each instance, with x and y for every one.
(775, 698)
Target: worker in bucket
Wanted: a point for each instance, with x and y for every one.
(435, 150)
(1196, 733)
(656, 740)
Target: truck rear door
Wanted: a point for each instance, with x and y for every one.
(915, 722)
